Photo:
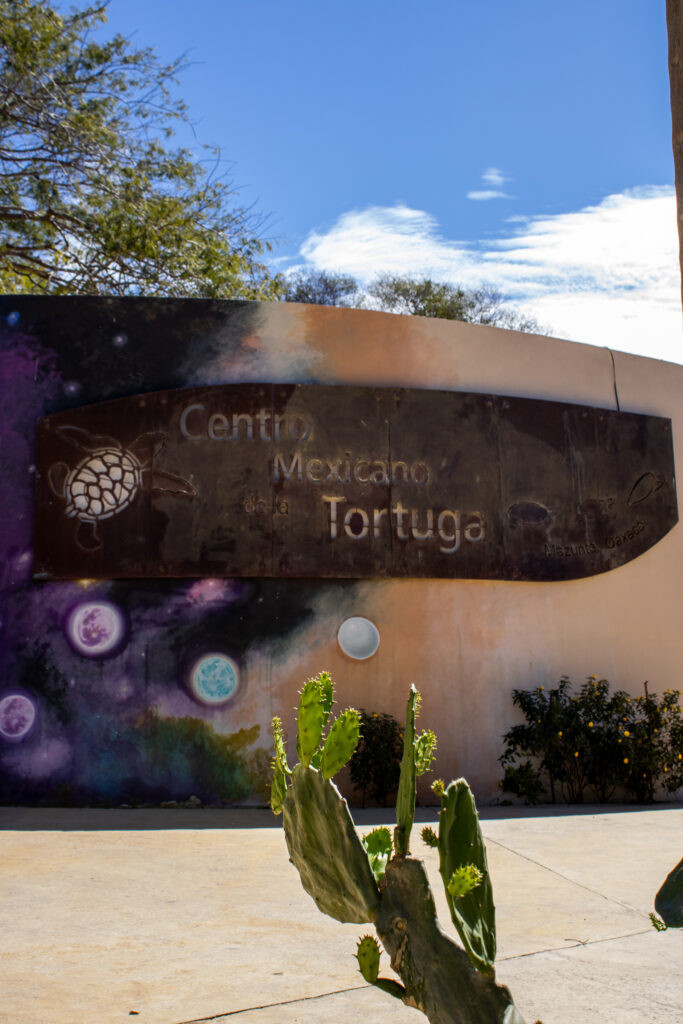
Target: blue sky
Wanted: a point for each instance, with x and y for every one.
(524, 144)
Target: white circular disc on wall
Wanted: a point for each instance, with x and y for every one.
(358, 637)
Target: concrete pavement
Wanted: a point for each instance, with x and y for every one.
(178, 916)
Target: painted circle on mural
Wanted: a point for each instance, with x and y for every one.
(17, 715)
(214, 679)
(96, 628)
(358, 637)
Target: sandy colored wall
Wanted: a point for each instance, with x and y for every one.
(125, 728)
(465, 643)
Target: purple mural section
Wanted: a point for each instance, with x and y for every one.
(122, 691)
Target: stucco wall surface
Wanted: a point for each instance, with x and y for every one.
(467, 643)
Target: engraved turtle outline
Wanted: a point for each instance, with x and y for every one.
(108, 460)
(529, 512)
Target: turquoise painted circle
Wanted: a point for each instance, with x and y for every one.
(214, 679)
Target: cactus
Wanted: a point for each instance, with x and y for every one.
(437, 974)
(461, 846)
(324, 847)
(367, 956)
(379, 848)
(324, 680)
(429, 837)
(311, 719)
(669, 899)
(425, 751)
(280, 769)
(464, 880)
(373, 881)
(321, 839)
(340, 743)
(407, 786)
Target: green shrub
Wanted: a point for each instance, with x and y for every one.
(593, 744)
(375, 767)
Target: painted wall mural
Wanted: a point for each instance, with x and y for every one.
(145, 689)
(120, 691)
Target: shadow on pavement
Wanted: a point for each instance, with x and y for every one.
(118, 819)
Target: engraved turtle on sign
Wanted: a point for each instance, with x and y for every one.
(645, 486)
(530, 513)
(108, 478)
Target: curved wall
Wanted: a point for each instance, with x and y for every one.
(125, 727)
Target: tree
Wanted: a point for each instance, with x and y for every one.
(93, 196)
(420, 296)
(411, 296)
(321, 289)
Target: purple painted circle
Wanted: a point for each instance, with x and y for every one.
(17, 715)
(95, 628)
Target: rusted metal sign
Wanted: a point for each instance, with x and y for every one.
(318, 481)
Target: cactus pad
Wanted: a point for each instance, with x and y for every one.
(461, 844)
(407, 786)
(278, 789)
(379, 848)
(464, 880)
(312, 715)
(425, 751)
(429, 837)
(340, 743)
(280, 768)
(325, 849)
(279, 741)
(326, 685)
(367, 956)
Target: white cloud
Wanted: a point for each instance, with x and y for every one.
(494, 176)
(394, 239)
(606, 274)
(488, 193)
